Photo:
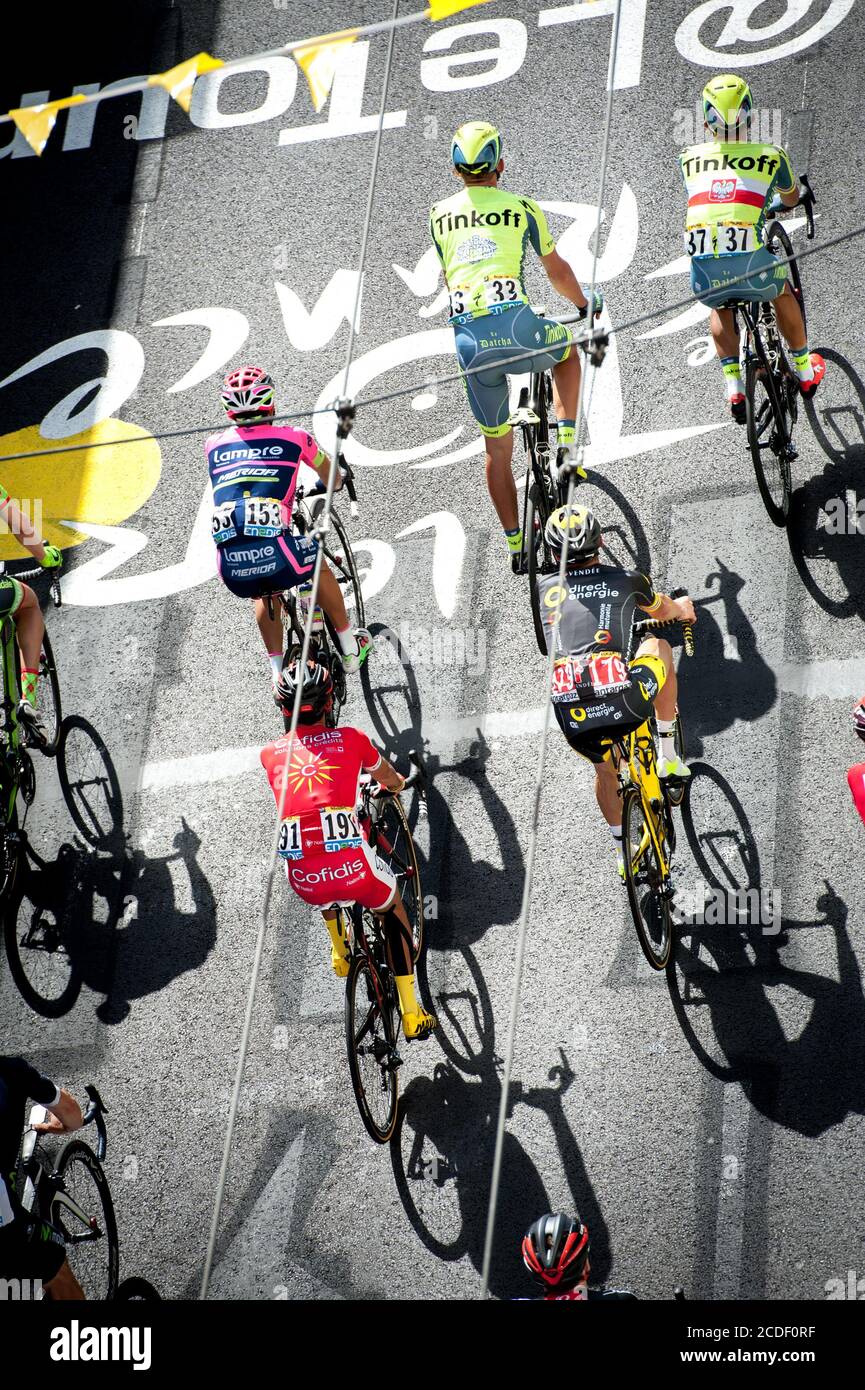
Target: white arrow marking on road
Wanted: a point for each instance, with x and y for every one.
(423, 280)
(87, 586)
(229, 330)
(621, 241)
(449, 550)
(313, 329)
(696, 313)
(255, 1264)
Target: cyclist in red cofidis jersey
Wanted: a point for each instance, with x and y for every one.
(315, 777)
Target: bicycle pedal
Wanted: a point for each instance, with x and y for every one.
(394, 1061)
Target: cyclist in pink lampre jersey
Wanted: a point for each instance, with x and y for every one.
(856, 774)
(254, 468)
(315, 776)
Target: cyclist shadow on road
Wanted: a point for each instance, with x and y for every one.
(106, 918)
(719, 986)
(726, 679)
(826, 526)
(442, 1150)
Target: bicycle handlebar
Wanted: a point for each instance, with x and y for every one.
(347, 474)
(54, 588)
(654, 624)
(94, 1114)
(805, 200)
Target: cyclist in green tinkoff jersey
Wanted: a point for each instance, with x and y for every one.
(731, 183)
(19, 602)
(481, 235)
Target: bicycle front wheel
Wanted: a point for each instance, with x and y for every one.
(767, 440)
(48, 699)
(778, 244)
(371, 1042)
(83, 1212)
(648, 889)
(342, 562)
(393, 841)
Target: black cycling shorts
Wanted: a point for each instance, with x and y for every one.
(591, 729)
(30, 1249)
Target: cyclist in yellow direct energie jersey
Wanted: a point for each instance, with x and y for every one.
(731, 182)
(19, 602)
(482, 235)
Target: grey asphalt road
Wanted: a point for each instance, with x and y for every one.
(708, 1128)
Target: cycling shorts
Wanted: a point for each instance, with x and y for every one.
(711, 276)
(11, 594)
(856, 783)
(349, 876)
(252, 568)
(591, 728)
(484, 342)
(30, 1249)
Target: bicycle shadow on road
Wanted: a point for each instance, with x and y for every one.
(442, 1149)
(101, 913)
(727, 679)
(718, 984)
(826, 528)
(465, 887)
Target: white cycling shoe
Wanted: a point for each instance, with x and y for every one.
(355, 660)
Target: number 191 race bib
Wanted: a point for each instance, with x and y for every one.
(339, 829)
(290, 846)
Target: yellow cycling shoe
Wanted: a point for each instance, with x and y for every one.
(419, 1025)
(339, 962)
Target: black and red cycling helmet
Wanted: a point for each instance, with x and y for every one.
(317, 695)
(556, 1250)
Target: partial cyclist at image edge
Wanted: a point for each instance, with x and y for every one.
(731, 183)
(481, 235)
(19, 602)
(254, 468)
(29, 1247)
(598, 695)
(556, 1251)
(315, 775)
(856, 774)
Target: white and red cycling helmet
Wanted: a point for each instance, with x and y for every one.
(247, 395)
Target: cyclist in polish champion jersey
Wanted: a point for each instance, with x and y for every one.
(254, 468)
(597, 696)
(481, 236)
(31, 1248)
(730, 182)
(19, 602)
(328, 859)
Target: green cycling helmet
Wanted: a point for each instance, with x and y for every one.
(476, 148)
(727, 104)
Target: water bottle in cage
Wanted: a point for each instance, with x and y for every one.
(304, 593)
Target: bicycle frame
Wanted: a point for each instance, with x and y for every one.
(637, 752)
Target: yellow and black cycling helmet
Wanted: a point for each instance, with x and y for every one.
(574, 527)
(476, 148)
(727, 105)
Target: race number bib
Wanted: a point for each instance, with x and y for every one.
(290, 845)
(459, 301)
(339, 829)
(500, 290)
(721, 239)
(263, 517)
(596, 677)
(223, 524)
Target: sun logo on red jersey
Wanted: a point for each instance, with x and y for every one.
(308, 769)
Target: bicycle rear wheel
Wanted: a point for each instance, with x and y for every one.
(767, 439)
(540, 559)
(371, 1042)
(393, 841)
(92, 1247)
(648, 893)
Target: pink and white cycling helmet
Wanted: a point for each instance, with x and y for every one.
(247, 395)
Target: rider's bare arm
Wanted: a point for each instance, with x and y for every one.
(672, 609)
(791, 198)
(322, 468)
(19, 525)
(67, 1116)
(563, 279)
(388, 777)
